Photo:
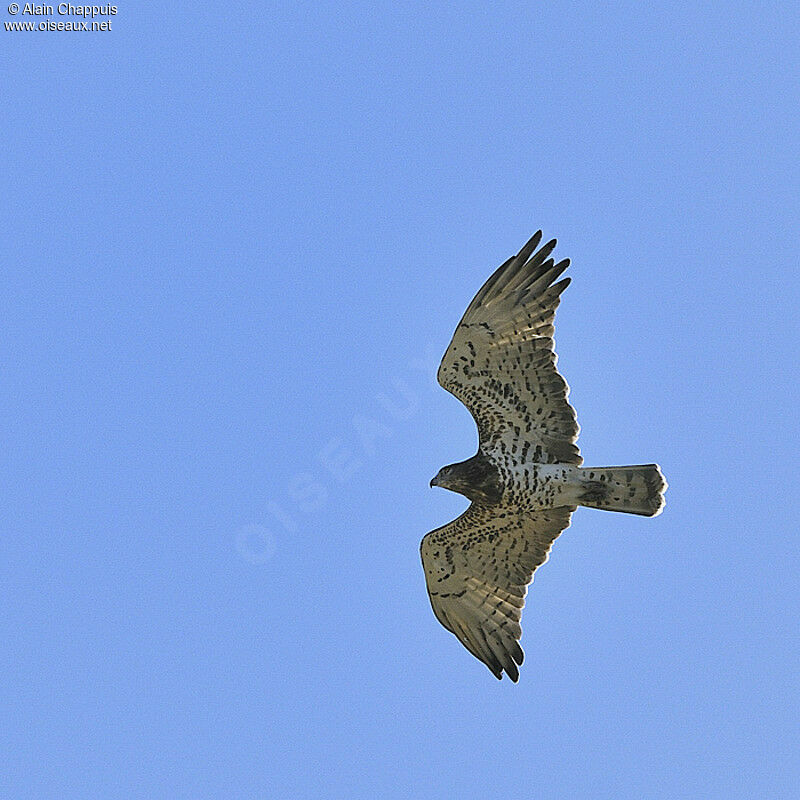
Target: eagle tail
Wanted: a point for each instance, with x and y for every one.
(634, 490)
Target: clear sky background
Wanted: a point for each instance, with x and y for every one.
(236, 241)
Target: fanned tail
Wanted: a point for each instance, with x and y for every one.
(634, 490)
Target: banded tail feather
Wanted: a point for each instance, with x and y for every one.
(636, 489)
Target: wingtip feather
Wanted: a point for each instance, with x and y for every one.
(530, 245)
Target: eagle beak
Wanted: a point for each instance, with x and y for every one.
(433, 482)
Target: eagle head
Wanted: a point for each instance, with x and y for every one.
(476, 478)
(446, 478)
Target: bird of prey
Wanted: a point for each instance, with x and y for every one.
(526, 478)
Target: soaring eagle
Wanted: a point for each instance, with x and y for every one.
(526, 478)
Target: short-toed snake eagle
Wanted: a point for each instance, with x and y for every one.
(526, 478)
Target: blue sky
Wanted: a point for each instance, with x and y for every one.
(236, 243)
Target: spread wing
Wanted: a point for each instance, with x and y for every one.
(478, 568)
(501, 363)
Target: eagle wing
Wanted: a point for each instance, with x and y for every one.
(501, 363)
(477, 569)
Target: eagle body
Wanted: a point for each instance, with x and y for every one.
(527, 477)
(529, 487)
(533, 487)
